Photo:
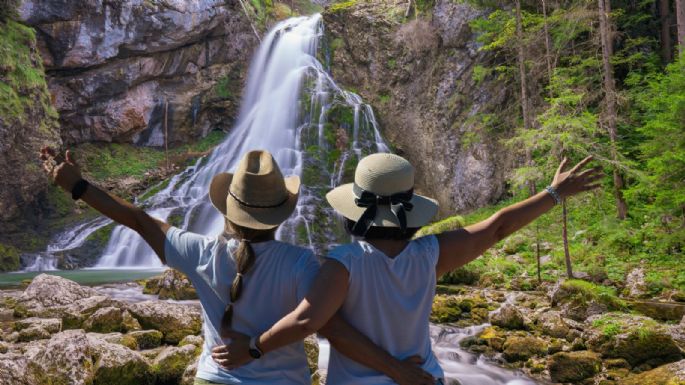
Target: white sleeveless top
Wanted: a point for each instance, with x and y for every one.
(389, 300)
(274, 286)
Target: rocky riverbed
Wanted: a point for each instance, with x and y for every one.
(57, 331)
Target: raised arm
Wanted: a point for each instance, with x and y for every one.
(459, 247)
(65, 172)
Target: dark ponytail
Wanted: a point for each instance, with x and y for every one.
(244, 260)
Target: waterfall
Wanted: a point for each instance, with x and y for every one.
(292, 108)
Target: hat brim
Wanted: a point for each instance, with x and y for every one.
(342, 200)
(252, 217)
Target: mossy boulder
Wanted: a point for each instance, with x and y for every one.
(105, 320)
(671, 374)
(9, 258)
(33, 328)
(508, 316)
(579, 299)
(172, 284)
(445, 309)
(518, 348)
(551, 323)
(573, 366)
(170, 364)
(637, 339)
(311, 349)
(175, 321)
(147, 339)
(493, 338)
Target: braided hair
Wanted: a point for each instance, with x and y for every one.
(244, 260)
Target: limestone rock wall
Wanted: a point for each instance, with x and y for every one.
(118, 70)
(419, 76)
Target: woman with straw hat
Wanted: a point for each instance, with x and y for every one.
(245, 282)
(383, 284)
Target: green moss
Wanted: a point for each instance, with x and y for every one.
(155, 189)
(23, 78)
(342, 6)
(9, 258)
(445, 309)
(588, 291)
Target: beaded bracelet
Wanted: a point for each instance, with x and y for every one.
(555, 195)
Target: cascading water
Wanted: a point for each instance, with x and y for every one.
(291, 108)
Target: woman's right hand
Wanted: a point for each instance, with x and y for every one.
(63, 171)
(410, 373)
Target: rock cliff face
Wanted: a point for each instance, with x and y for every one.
(27, 120)
(119, 70)
(419, 76)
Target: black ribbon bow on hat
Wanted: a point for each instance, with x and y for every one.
(399, 204)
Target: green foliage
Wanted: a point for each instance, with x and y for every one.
(9, 258)
(588, 291)
(341, 6)
(448, 224)
(8, 9)
(23, 80)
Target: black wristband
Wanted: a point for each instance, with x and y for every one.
(79, 189)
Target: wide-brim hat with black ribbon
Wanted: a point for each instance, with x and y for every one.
(382, 195)
(256, 196)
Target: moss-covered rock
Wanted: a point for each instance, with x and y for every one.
(671, 374)
(170, 364)
(445, 309)
(9, 258)
(311, 349)
(518, 348)
(175, 321)
(105, 320)
(637, 339)
(573, 366)
(581, 299)
(147, 339)
(508, 317)
(172, 284)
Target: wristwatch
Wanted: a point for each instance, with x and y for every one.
(255, 352)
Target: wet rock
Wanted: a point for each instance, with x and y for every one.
(147, 339)
(522, 348)
(493, 338)
(509, 317)
(171, 363)
(636, 284)
(175, 321)
(172, 284)
(670, 374)
(637, 339)
(574, 366)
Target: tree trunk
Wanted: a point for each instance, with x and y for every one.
(548, 51)
(567, 254)
(610, 103)
(680, 17)
(665, 19)
(525, 105)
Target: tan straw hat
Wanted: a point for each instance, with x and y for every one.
(382, 194)
(256, 196)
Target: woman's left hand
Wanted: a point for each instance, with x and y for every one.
(234, 354)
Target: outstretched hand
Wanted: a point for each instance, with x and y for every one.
(62, 170)
(234, 354)
(577, 179)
